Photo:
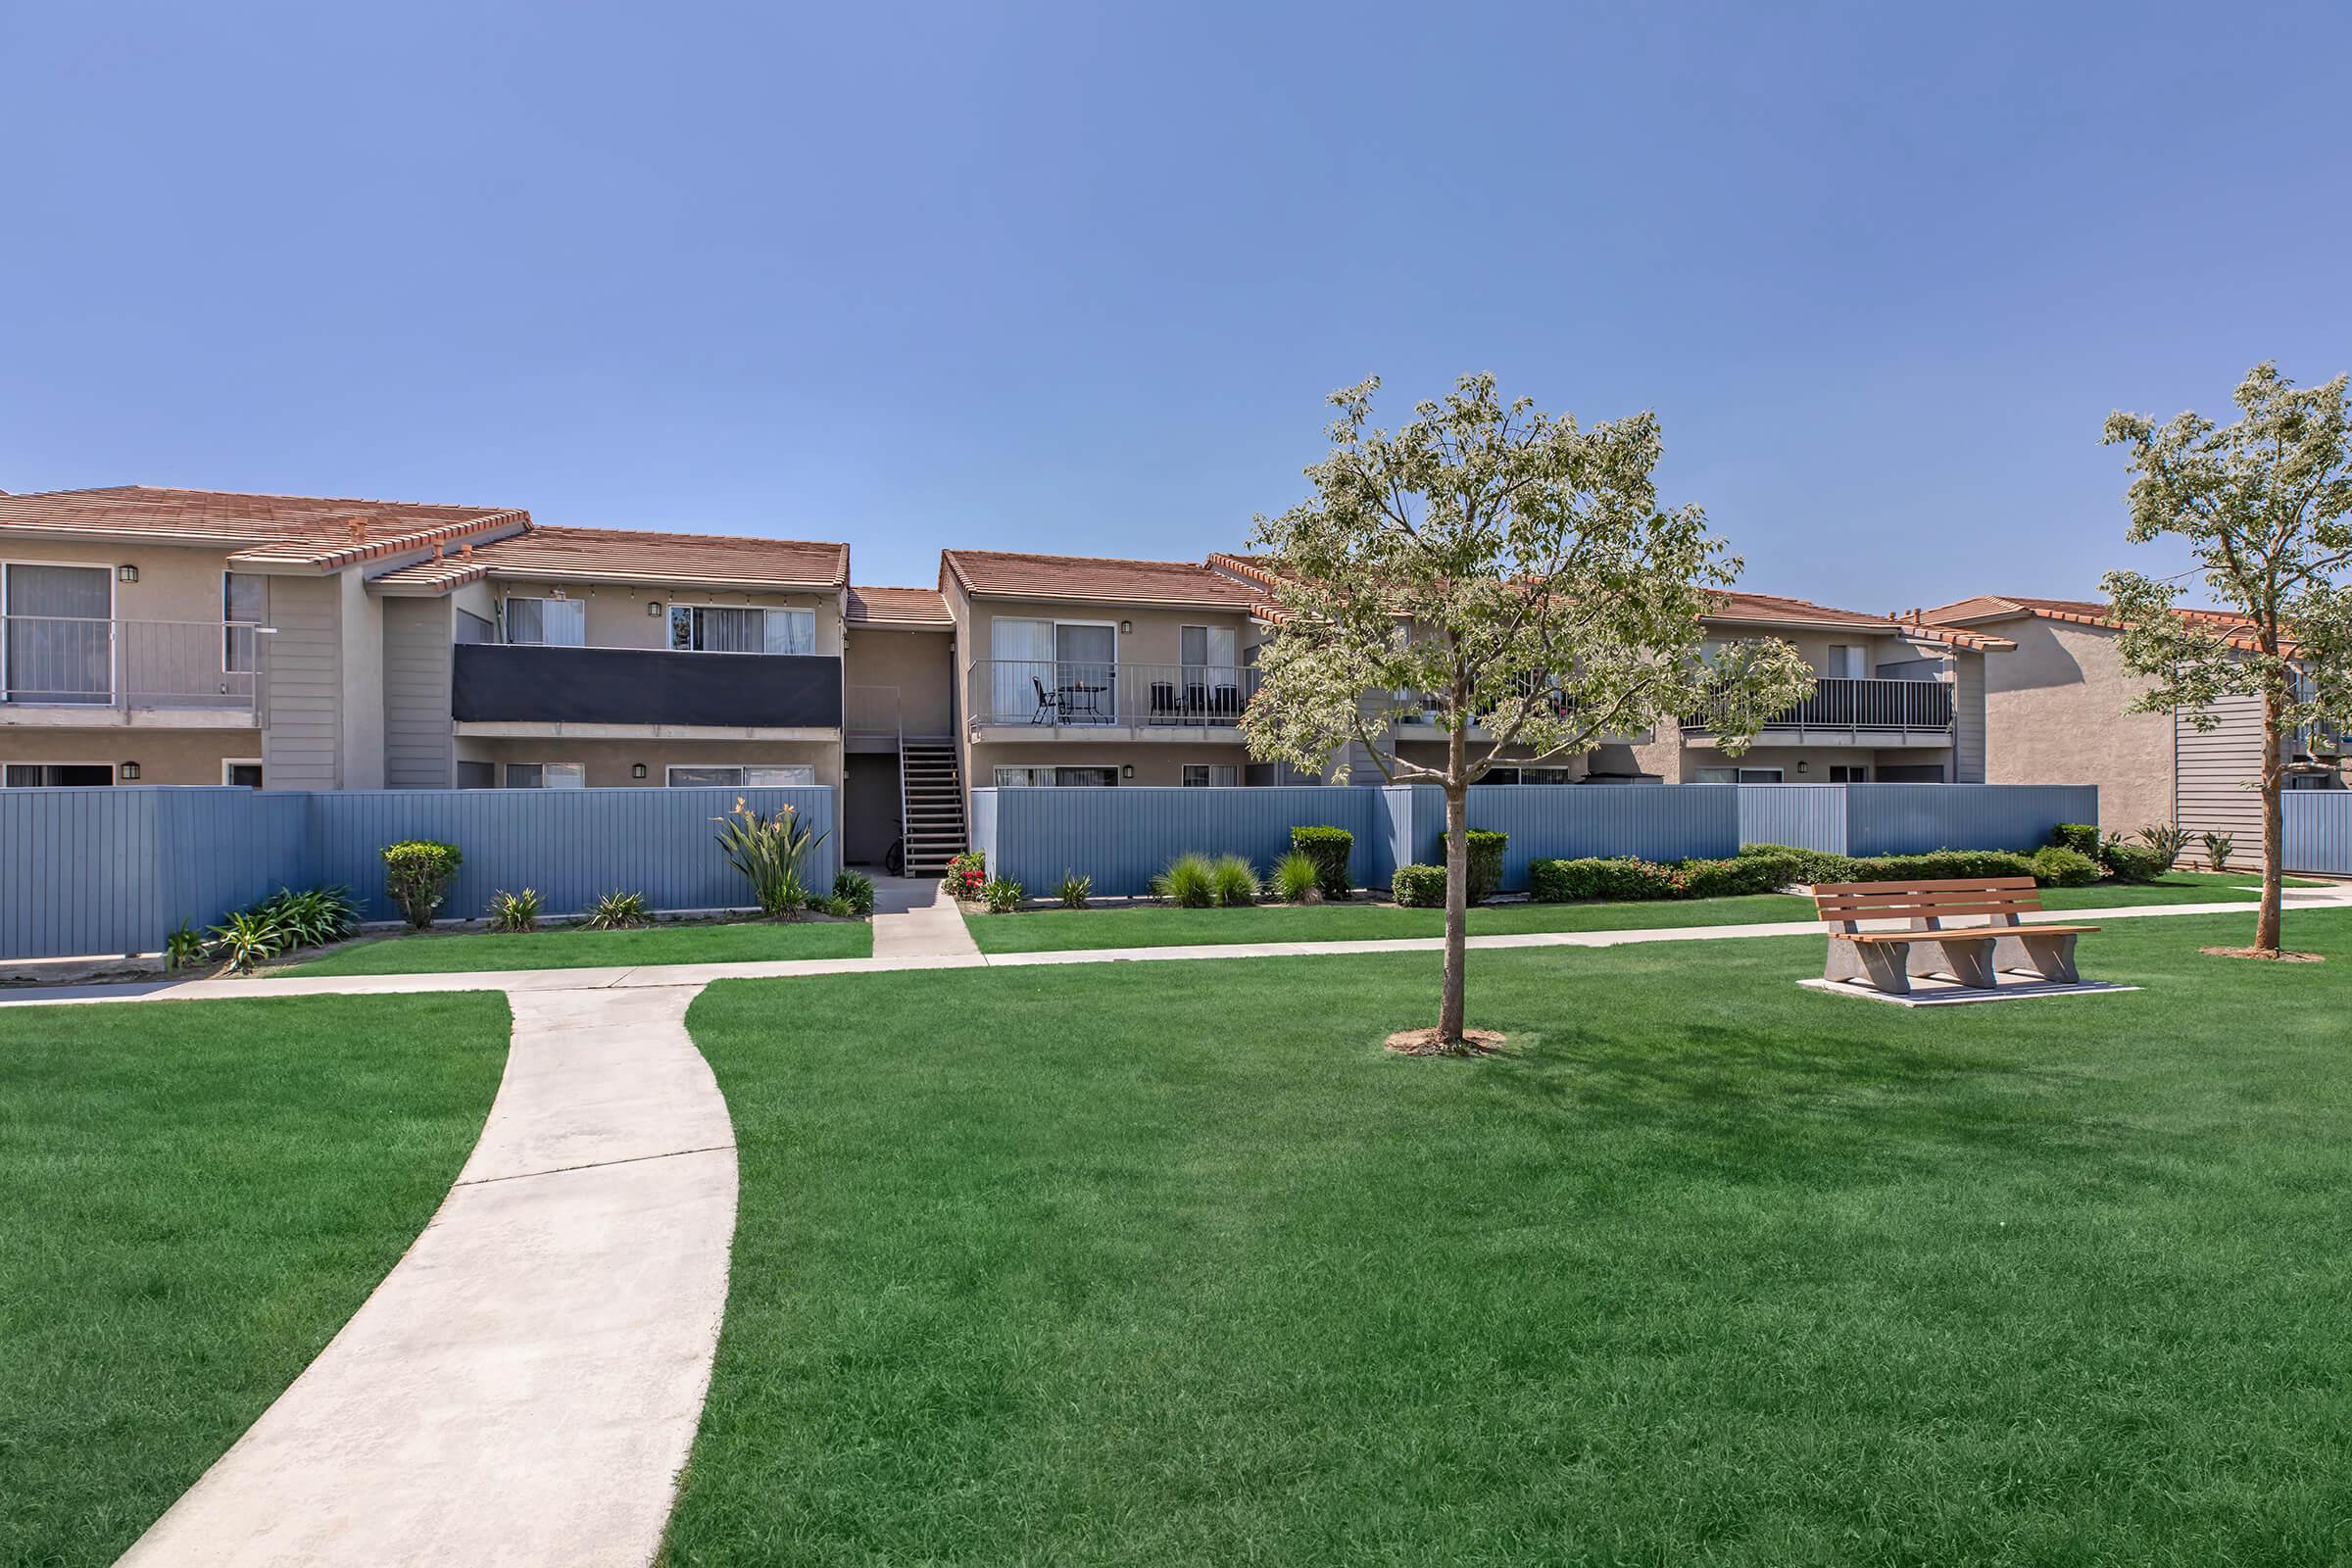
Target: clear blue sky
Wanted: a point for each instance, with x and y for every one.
(1077, 279)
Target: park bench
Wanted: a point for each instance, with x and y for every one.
(1974, 954)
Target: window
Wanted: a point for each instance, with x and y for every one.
(555, 622)
(472, 628)
(714, 629)
(1545, 775)
(477, 775)
(547, 776)
(244, 605)
(1056, 777)
(1054, 673)
(242, 774)
(1911, 773)
(60, 642)
(747, 776)
(1212, 775)
(1739, 775)
(57, 775)
(1845, 662)
(1840, 773)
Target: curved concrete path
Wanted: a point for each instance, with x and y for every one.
(525, 1386)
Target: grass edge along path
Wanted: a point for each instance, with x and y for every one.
(193, 1200)
(1163, 926)
(577, 948)
(1125, 1266)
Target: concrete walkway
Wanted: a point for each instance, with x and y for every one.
(524, 1384)
(915, 918)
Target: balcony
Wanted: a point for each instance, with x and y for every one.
(1019, 699)
(67, 673)
(1879, 712)
(643, 693)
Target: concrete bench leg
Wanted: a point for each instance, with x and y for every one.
(1883, 964)
(2050, 957)
(1971, 963)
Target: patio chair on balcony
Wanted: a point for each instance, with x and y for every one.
(1163, 701)
(1048, 704)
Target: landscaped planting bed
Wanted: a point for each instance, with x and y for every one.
(1173, 1263)
(577, 948)
(193, 1199)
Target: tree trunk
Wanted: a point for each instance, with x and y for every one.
(2274, 829)
(1458, 906)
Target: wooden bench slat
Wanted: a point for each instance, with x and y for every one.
(1963, 933)
(1943, 913)
(2020, 884)
(2007, 900)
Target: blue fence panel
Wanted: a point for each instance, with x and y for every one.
(1806, 816)
(1909, 818)
(1121, 836)
(572, 846)
(224, 848)
(1567, 822)
(2318, 833)
(83, 874)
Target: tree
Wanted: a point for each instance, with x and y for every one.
(1516, 575)
(2262, 506)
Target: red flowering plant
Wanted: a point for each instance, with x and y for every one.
(967, 873)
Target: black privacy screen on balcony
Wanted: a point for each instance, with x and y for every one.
(497, 682)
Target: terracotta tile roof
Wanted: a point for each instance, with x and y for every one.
(1774, 609)
(2234, 629)
(898, 607)
(288, 533)
(1009, 575)
(643, 556)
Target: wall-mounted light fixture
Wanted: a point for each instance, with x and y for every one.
(1800, 766)
(126, 572)
(1126, 628)
(637, 772)
(1127, 770)
(128, 770)
(653, 608)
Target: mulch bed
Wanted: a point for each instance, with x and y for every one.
(2280, 956)
(1425, 1042)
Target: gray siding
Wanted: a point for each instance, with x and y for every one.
(1968, 719)
(302, 749)
(2216, 774)
(419, 747)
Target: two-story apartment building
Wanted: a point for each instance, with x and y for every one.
(2055, 714)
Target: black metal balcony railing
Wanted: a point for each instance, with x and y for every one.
(1854, 704)
(535, 683)
(1076, 694)
(66, 661)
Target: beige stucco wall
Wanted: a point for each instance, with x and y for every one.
(1155, 764)
(2054, 715)
(609, 762)
(917, 665)
(1817, 760)
(163, 756)
(617, 615)
(175, 584)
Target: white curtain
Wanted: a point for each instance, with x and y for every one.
(1023, 650)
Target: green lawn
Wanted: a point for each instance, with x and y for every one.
(1150, 926)
(1172, 1263)
(193, 1197)
(573, 947)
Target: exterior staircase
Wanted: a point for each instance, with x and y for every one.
(930, 804)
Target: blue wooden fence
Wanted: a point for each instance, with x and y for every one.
(1120, 836)
(112, 871)
(2318, 834)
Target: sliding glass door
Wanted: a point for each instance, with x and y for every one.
(60, 643)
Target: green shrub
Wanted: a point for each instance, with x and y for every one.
(619, 911)
(2216, 851)
(1330, 848)
(1190, 882)
(1485, 847)
(1739, 876)
(2166, 841)
(2135, 863)
(1601, 877)
(2057, 866)
(772, 854)
(1419, 887)
(966, 873)
(183, 949)
(313, 917)
(855, 889)
(1296, 878)
(515, 912)
(1810, 866)
(1235, 882)
(2080, 837)
(1002, 895)
(417, 877)
(1076, 890)
(1942, 865)
(246, 939)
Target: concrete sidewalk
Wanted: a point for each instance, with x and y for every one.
(915, 918)
(525, 1386)
(522, 981)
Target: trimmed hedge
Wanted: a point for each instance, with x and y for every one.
(1485, 847)
(1617, 877)
(1766, 868)
(2080, 837)
(2135, 863)
(1419, 887)
(1330, 847)
(2057, 866)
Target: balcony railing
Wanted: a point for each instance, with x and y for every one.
(63, 661)
(535, 683)
(1071, 694)
(1889, 706)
